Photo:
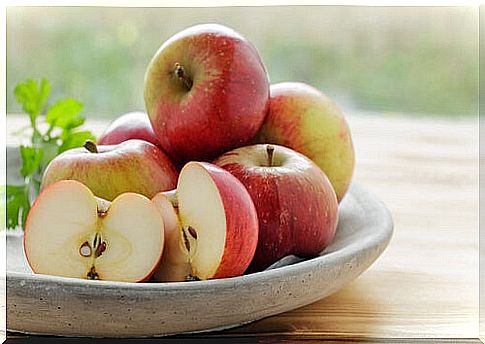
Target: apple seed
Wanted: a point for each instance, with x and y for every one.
(189, 235)
(100, 249)
(192, 232)
(85, 249)
(99, 245)
(96, 240)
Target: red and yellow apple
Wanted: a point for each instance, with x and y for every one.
(304, 119)
(206, 91)
(212, 225)
(132, 166)
(296, 204)
(132, 125)
(69, 232)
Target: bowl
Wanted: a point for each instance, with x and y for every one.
(51, 305)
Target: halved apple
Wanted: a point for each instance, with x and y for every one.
(70, 232)
(213, 227)
(174, 265)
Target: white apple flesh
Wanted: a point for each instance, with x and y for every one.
(174, 265)
(71, 233)
(217, 226)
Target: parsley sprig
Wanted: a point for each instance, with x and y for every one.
(55, 129)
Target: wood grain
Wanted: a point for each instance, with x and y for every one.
(426, 284)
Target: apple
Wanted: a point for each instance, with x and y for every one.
(132, 166)
(71, 233)
(296, 204)
(132, 125)
(304, 119)
(212, 225)
(206, 91)
(175, 265)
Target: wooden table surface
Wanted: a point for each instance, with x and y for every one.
(425, 285)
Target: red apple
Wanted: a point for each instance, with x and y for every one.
(296, 204)
(69, 232)
(132, 166)
(206, 91)
(304, 119)
(213, 231)
(132, 125)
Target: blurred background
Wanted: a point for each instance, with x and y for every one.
(415, 60)
(407, 80)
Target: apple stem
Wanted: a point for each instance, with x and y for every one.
(91, 146)
(270, 151)
(183, 76)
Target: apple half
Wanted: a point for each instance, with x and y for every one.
(69, 232)
(212, 225)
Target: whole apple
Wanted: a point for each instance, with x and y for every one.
(132, 166)
(132, 125)
(304, 119)
(206, 91)
(296, 205)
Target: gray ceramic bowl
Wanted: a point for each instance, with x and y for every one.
(73, 307)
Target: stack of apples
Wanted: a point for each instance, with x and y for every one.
(224, 175)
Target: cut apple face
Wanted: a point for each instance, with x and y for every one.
(69, 232)
(217, 228)
(203, 220)
(174, 265)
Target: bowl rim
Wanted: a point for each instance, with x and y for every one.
(380, 236)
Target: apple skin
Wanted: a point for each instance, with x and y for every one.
(217, 103)
(304, 119)
(296, 204)
(132, 125)
(241, 222)
(132, 166)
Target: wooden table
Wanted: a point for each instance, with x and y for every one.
(426, 283)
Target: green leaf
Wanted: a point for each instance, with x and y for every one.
(32, 97)
(76, 139)
(65, 114)
(18, 205)
(31, 159)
